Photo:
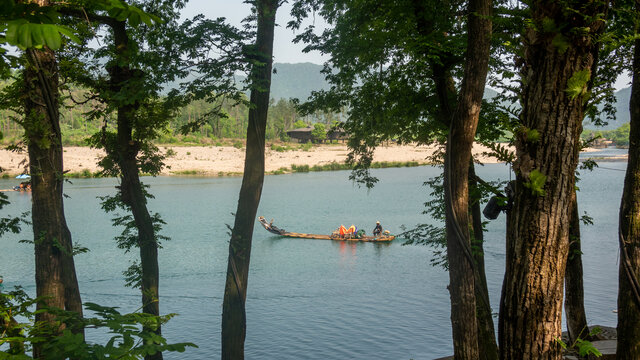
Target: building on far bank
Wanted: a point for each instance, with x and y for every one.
(337, 133)
(304, 135)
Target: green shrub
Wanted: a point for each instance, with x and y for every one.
(279, 148)
(132, 335)
(186, 172)
(282, 170)
(238, 145)
(299, 168)
(319, 133)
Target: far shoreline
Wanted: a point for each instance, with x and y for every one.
(219, 161)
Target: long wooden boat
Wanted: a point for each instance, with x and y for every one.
(277, 231)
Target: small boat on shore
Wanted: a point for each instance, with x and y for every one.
(277, 231)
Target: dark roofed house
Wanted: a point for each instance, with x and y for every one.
(337, 133)
(303, 135)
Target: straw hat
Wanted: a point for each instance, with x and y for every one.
(377, 222)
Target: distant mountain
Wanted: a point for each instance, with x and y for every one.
(621, 105)
(622, 111)
(299, 80)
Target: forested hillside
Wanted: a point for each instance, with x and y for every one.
(289, 81)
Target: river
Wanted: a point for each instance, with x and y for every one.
(307, 299)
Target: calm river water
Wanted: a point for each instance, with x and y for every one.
(307, 299)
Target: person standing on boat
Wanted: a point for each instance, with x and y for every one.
(378, 229)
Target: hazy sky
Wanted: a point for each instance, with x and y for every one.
(284, 51)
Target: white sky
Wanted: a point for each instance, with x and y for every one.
(284, 50)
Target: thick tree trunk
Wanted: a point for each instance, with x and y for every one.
(462, 269)
(234, 320)
(131, 189)
(487, 346)
(55, 269)
(574, 291)
(547, 146)
(629, 232)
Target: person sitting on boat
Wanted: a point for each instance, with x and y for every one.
(342, 231)
(378, 229)
(352, 230)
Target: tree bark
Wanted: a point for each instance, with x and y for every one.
(547, 147)
(487, 346)
(55, 269)
(235, 293)
(574, 291)
(462, 269)
(628, 346)
(131, 189)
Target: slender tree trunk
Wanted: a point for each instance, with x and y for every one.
(446, 93)
(574, 291)
(55, 269)
(234, 320)
(131, 189)
(487, 347)
(629, 231)
(462, 269)
(547, 146)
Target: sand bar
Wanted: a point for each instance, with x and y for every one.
(214, 160)
(218, 160)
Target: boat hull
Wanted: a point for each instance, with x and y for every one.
(277, 231)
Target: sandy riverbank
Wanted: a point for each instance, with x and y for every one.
(214, 160)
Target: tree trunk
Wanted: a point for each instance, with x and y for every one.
(574, 291)
(547, 147)
(458, 155)
(487, 347)
(234, 320)
(55, 268)
(131, 189)
(629, 231)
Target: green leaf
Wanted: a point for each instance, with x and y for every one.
(24, 36)
(12, 30)
(536, 183)
(561, 43)
(577, 84)
(134, 19)
(51, 36)
(533, 135)
(586, 348)
(69, 33)
(36, 35)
